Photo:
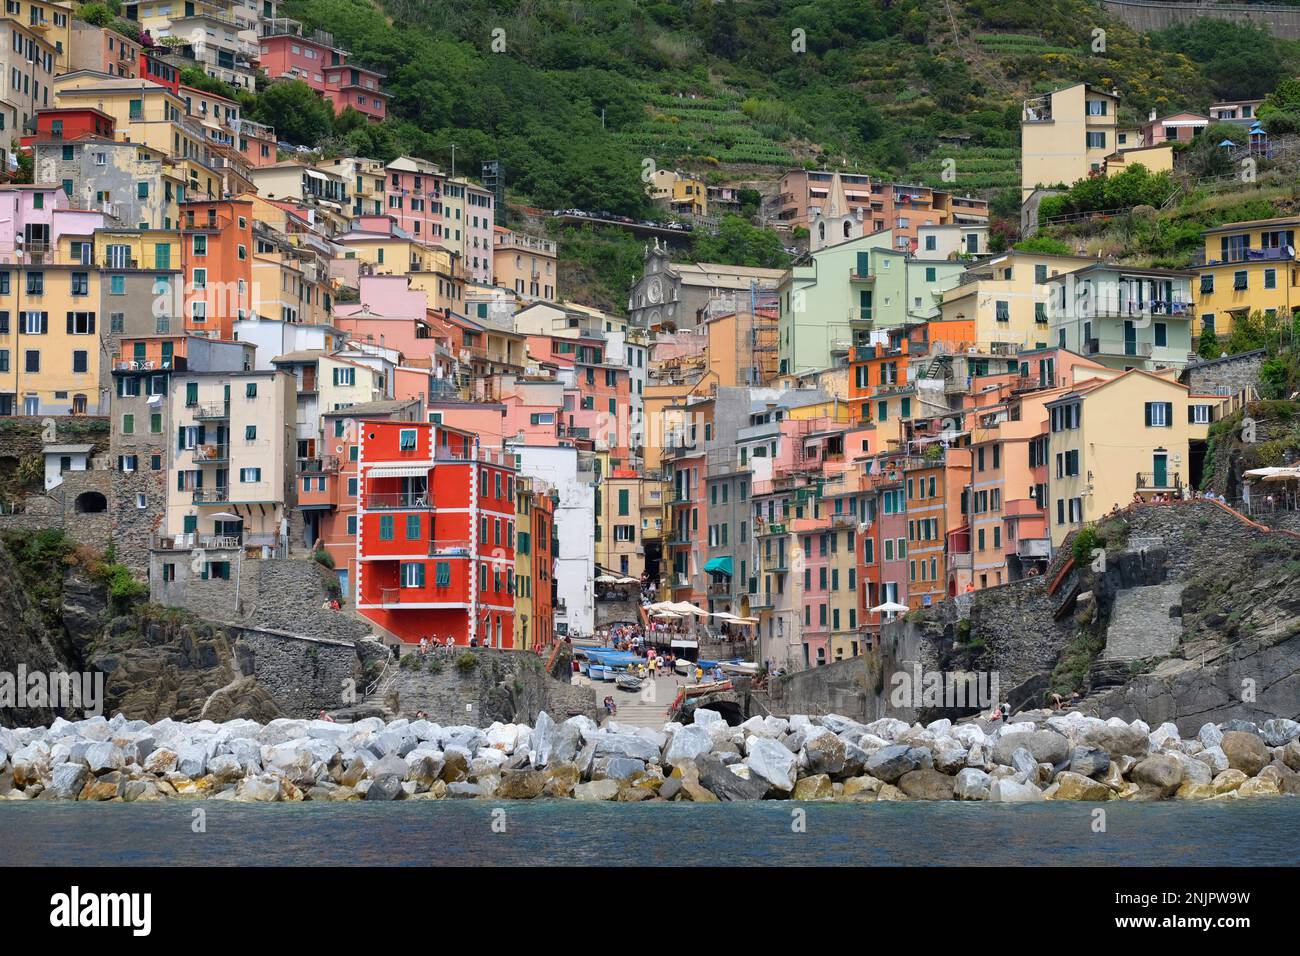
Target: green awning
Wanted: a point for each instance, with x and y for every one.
(719, 566)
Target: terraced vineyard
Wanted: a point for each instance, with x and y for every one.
(681, 128)
(1017, 44)
(977, 168)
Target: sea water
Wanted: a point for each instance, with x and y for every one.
(565, 832)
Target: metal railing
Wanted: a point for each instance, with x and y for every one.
(1151, 481)
(378, 501)
(220, 452)
(211, 411)
(211, 496)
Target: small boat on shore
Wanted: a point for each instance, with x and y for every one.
(627, 682)
(740, 668)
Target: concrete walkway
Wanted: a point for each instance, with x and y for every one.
(647, 707)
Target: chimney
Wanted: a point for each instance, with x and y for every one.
(1152, 118)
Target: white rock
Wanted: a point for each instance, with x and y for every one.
(968, 735)
(971, 784)
(1007, 790)
(939, 728)
(772, 762)
(1164, 734)
(1214, 758)
(887, 728)
(1210, 735)
(687, 744)
(703, 716)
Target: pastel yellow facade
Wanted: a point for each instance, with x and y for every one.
(1065, 136)
(1110, 439)
(50, 331)
(138, 248)
(1249, 267)
(1007, 299)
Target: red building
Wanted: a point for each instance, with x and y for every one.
(53, 125)
(435, 534)
(358, 88)
(156, 70)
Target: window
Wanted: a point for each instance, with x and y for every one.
(412, 527)
(199, 245)
(1199, 414)
(1096, 140)
(250, 475)
(250, 433)
(1003, 310)
(128, 424)
(1207, 283)
(406, 439)
(412, 574)
(81, 323)
(1159, 414)
(1239, 280)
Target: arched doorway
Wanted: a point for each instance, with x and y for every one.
(90, 502)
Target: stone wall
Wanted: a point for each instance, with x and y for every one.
(57, 508)
(501, 685)
(282, 594)
(1184, 529)
(1236, 372)
(304, 675)
(1144, 15)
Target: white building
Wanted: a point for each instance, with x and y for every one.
(575, 517)
(275, 337)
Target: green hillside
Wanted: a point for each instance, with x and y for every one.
(575, 95)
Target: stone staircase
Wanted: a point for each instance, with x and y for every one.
(1141, 625)
(639, 708)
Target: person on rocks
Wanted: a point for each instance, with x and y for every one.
(326, 717)
(1006, 710)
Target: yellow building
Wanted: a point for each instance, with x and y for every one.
(524, 264)
(1158, 158)
(1111, 438)
(683, 194)
(620, 548)
(367, 178)
(147, 113)
(1007, 298)
(138, 248)
(51, 21)
(50, 332)
(1066, 135)
(1249, 267)
(290, 283)
(30, 61)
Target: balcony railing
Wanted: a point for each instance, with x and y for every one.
(326, 464)
(211, 496)
(217, 411)
(212, 453)
(397, 500)
(1151, 481)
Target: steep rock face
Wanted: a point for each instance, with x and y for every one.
(164, 664)
(29, 640)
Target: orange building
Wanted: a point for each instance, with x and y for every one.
(217, 258)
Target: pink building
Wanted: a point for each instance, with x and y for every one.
(34, 218)
(359, 88)
(484, 420)
(413, 197)
(290, 51)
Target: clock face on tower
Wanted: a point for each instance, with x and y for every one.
(655, 291)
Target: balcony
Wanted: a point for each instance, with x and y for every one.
(215, 412)
(1034, 547)
(326, 464)
(960, 560)
(211, 496)
(721, 589)
(397, 500)
(1155, 481)
(210, 454)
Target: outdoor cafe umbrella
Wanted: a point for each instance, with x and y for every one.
(607, 579)
(628, 580)
(890, 607)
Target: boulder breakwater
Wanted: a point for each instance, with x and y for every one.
(1036, 756)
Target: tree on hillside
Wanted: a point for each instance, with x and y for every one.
(1280, 111)
(740, 244)
(298, 113)
(1240, 60)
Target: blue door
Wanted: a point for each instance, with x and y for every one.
(343, 582)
